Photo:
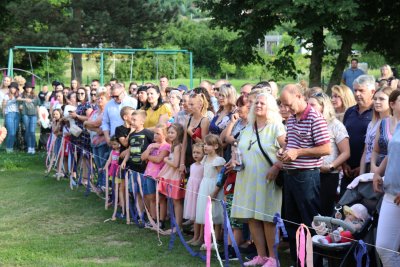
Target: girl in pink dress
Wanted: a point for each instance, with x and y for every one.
(154, 154)
(170, 177)
(192, 189)
(113, 170)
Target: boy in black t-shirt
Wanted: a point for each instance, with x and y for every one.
(122, 132)
(138, 141)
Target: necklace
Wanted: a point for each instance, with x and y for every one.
(251, 142)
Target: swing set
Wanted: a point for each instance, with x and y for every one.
(102, 51)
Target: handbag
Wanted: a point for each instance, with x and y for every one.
(279, 179)
(75, 130)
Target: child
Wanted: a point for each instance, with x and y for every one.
(213, 164)
(112, 165)
(56, 130)
(154, 154)
(192, 190)
(138, 141)
(121, 136)
(170, 176)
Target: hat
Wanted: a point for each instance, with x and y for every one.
(29, 85)
(357, 210)
(13, 84)
(182, 87)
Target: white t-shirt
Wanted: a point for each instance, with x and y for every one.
(337, 132)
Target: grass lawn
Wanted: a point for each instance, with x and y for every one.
(44, 223)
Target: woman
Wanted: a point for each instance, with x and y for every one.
(381, 111)
(21, 83)
(97, 140)
(11, 114)
(385, 132)
(157, 112)
(284, 111)
(183, 115)
(256, 196)
(340, 152)
(388, 235)
(4, 85)
(74, 85)
(342, 99)
(227, 106)
(30, 107)
(387, 78)
(196, 128)
(210, 109)
(93, 99)
(142, 96)
(175, 98)
(82, 142)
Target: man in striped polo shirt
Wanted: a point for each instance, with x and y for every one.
(307, 140)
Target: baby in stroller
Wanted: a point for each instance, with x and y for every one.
(355, 218)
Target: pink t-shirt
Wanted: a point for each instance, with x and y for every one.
(152, 168)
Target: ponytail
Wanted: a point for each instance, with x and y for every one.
(205, 104)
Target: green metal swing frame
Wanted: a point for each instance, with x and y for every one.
(120, 51)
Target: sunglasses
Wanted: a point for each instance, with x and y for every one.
(80, 93)
(93, 94)
(216, 89)
(115, 96)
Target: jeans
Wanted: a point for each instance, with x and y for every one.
(100, 155)
(12, 122)
(30, 130)
(329, 184)
(388, 235)
(302, 201)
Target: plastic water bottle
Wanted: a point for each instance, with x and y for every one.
(239, 165)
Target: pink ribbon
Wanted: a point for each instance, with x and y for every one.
(304, 246)
(207, 231)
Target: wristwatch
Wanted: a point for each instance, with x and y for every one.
(331, 168)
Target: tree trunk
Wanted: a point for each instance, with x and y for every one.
(345, 51)
(317, 53)
(76, 67)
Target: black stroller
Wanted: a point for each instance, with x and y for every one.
(341, 254)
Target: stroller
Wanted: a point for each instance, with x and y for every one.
(341, 254)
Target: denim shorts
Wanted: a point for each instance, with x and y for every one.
(135, 179)
(149, 185)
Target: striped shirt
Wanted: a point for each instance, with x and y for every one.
(308, 132)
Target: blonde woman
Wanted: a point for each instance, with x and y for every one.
(387, 78)
(381, 111)
(256, 196)
(342, 99)
(21, 83)
(340, 152)
(227, 105)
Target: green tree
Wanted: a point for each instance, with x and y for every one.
(84, 23)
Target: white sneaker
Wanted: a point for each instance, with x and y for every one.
(29, 150)
(32, 150)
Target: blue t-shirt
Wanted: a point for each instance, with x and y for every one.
(350, 75)
(392, 175)
(356, 125)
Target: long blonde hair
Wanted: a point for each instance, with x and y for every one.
(345, 93)
(273, 115)
(328, 112)
(230, 93)
(387, 91)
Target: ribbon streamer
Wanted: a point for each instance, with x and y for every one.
(359, 252)
(304, 246)
(279, 226)
(228, 230)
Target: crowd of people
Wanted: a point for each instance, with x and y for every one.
(261, 149)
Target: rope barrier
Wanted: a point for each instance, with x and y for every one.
(215, 199)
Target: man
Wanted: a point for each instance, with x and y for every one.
(163, 86)
(245, 90)
(356, 120)
(94, 84)
(209, 86)
(113, 81)
(111, 114)
(351, 74)
(307, 141)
